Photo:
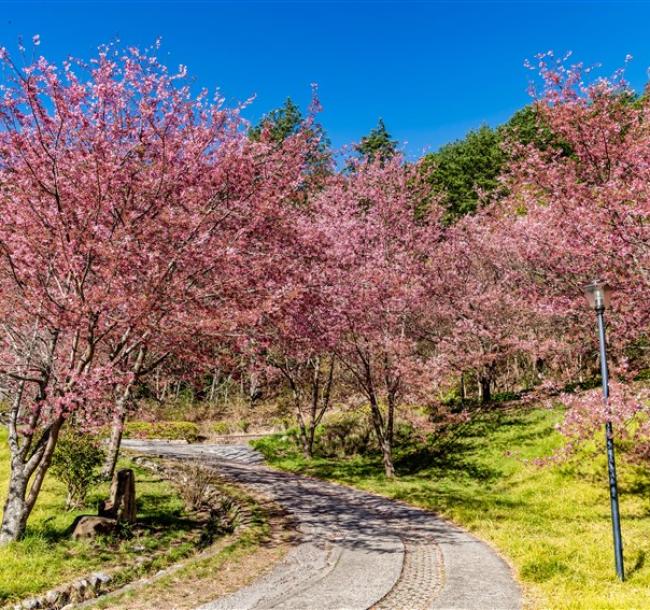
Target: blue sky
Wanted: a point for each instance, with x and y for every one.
(431, 70)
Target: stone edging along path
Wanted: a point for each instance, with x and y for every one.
(356, 550)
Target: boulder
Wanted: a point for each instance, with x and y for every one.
(89, 526)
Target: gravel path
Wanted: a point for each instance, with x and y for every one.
(356, 550)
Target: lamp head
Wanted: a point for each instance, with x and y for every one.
(597, 293)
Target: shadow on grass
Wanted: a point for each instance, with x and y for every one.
(451, 455)
(455, 452)
(155, 512)
(638, 564)
(467, 465)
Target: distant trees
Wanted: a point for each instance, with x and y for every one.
(463, 171)
(279, 124)
(468, 173)
(288, 121)
(377, 145)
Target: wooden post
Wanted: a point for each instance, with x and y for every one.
(121, 503)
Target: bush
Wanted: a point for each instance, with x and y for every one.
(279, 445)
(243, 425)
(345, 434)
(221, 428)
(168, 430)
(194, 485)
(342, 434)
(75, 463)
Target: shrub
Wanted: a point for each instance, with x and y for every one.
(221, 428)
(168, 430)
(194, 486)
(404, 434)
(76, 463)
(279, 445)
(281, 423)
(346, 434)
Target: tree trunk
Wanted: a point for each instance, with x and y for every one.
(15, 513)
(20, 502)
(253, 389)
(384, 439)
(213, 386)
(387, 458)
(119, 418)
(463, 389)
(304, 437)
(320, 398)
(484, 379)
(114, 443)
(307, 444)
(485, 389)
(310, 440)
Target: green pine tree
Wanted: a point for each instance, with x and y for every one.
(286, 121)
(377, 145)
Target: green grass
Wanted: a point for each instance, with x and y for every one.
(46, 556)
(199, 573)
(552, 523)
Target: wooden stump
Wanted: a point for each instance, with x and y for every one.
(121, 503)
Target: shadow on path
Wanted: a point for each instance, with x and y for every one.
(355, 548)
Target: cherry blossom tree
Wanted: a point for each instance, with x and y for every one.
(376, 246)
(294, 343)
(128, 205)
(584, 215)
(580, 211)
(489, 314)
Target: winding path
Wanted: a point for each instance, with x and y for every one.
(356, 550)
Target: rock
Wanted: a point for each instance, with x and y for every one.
(64, 598)
(98, 580)
(89, 526)
(77, 591)
(102, 577)
(51, 598)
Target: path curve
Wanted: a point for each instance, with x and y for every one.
(356, 550)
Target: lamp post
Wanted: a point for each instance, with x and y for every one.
(598, 296)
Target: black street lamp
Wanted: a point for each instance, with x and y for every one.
(598, 296)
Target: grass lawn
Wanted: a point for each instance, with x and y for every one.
(552, 523)
(46, 557)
